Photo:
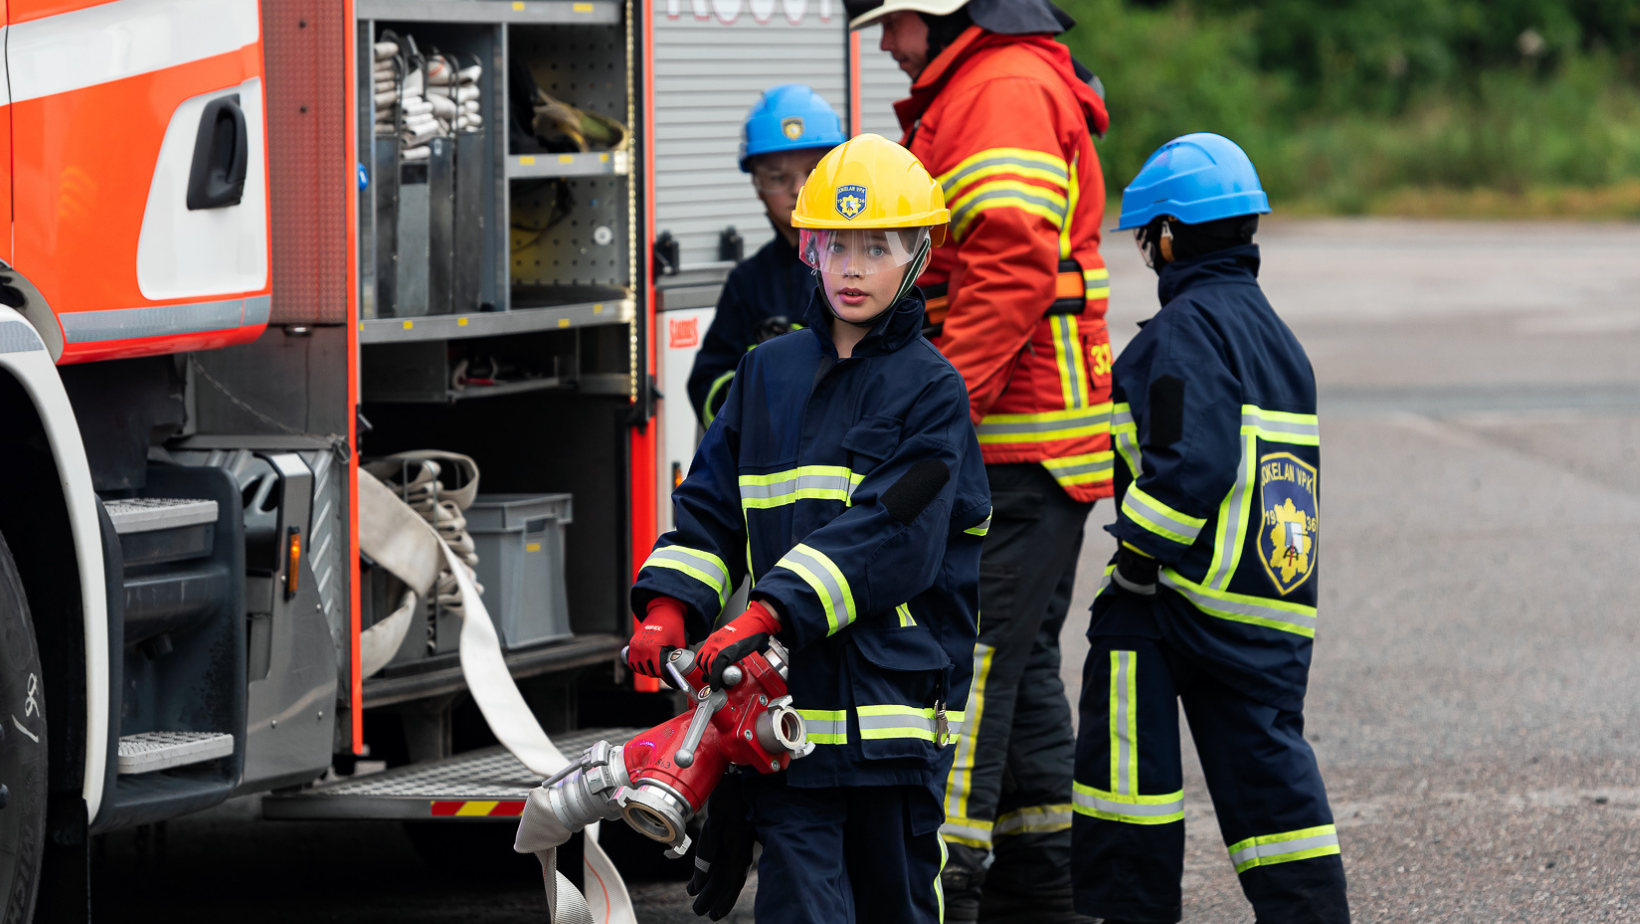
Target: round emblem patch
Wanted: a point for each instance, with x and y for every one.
(1287, 534)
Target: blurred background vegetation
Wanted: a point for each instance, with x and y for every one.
(1463, 108)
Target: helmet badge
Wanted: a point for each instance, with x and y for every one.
(851, 201)
(792, 127)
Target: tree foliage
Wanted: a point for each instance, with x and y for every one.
(1343, 102)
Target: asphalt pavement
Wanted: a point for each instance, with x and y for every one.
(1475, 695)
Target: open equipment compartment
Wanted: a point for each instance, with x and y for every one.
(569, 140)
(553, 344)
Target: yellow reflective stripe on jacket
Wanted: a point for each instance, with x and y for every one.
(1018, 161)
(1124, 435)
(707, 415)
(1068, 356)
(904, 612)
(880, 722)
(972, 832)
(1017, 194)
(1045, 427)
(806, 482)
(1146, 511)
(1087, 468)
(1073, 195)
(1281, 426)
(1271, 849)
(1036, 819)
(827, 581)
(826, 726)
(702, 566)
(1096, 283)
(983, 527)
(1259, 611)
(1231, 529)
(1133, 810)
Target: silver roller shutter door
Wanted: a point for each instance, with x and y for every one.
(708, 74)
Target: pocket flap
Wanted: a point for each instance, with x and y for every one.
(906, 648)
(874, 437)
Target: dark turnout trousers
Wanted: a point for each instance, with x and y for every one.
(1010, 787)
(847, 854)
(1129, 799)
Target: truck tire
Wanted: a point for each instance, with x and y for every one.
(22, 750)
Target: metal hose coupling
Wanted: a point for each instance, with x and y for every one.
(587, 793)
(782, 730)
(658, 812)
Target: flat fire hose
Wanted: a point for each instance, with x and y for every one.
(400, 541)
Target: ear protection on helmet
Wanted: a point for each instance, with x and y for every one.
(1155, 242)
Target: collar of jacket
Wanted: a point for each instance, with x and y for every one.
(898, 326)
(1232, 264)
(976, 43)
(1019, 17)
(783, 247)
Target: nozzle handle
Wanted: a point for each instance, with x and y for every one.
(679, 664)
(685, 754)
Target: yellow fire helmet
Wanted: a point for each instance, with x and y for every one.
(869, 181)
(870, 207)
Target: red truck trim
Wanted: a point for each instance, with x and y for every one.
(351, 145)
(477, 808)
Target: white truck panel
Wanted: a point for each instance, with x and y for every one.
(681, 332)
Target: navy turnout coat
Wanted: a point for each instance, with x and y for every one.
(853, 493)
(1214, 420)
(770, 283)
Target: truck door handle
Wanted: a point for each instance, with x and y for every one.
(221, 156)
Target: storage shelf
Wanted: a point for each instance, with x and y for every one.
(494, 323)
(600, 383)
(592, 163)
(505, 388)
(588, 12)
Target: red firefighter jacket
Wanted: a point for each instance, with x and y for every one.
(1004, 124)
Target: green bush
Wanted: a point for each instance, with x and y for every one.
(1346, 106)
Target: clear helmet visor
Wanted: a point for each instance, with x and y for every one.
(860, 251)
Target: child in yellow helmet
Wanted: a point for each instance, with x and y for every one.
(843, 474)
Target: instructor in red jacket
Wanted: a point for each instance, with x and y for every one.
(1005, 120)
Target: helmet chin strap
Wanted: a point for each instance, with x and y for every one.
(913, 270)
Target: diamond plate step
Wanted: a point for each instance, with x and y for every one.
(487, 783)
(147, 752)
(150, 514)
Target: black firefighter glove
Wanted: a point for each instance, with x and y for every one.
(725, 852)
(1135, 572)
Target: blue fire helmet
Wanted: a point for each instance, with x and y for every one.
(1194, 178)
(790, 117)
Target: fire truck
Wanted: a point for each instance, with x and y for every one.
(258, 252)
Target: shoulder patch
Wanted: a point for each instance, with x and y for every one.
(1288, 532)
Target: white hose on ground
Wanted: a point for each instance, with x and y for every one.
(401, 541)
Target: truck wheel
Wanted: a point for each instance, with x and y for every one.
(22, 750)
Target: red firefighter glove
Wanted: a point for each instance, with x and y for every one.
(661, 631)
(745, 634)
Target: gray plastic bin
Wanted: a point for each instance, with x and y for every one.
(520, 543)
